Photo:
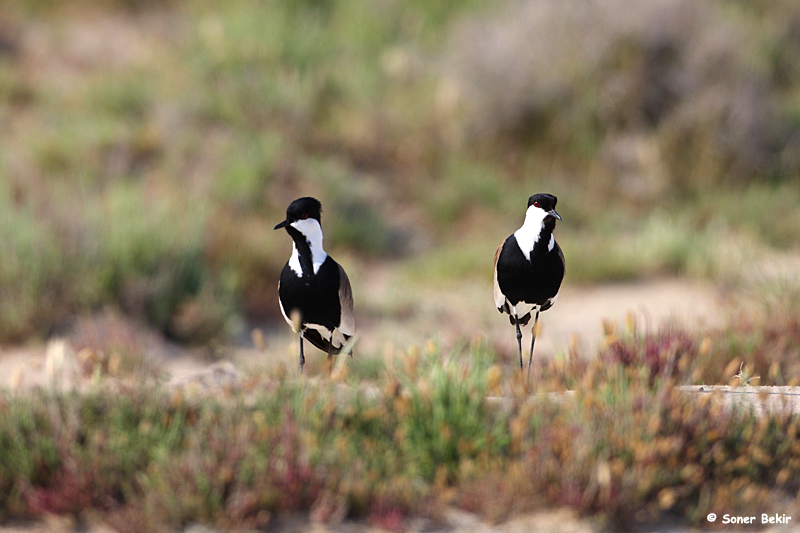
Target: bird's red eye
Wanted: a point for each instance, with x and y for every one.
(304, 216)
(535, 204)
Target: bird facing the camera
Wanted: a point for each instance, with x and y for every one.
(529, 268)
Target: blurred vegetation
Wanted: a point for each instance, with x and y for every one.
(148, 147)
(430, 430)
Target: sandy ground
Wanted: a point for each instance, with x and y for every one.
(446, 315)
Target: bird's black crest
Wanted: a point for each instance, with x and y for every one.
(305, 207)
(545, 201)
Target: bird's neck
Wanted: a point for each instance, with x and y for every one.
(307, 252)
(536, 234)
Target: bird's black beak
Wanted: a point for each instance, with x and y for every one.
(553, 214)
(282, 225)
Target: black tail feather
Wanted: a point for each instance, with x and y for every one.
(314, 337)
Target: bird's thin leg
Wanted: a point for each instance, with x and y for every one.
(330, 352)
(519, 340)
(302, 357)
(533, 340)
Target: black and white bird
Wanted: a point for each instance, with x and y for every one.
(529, 268)
(314, 291)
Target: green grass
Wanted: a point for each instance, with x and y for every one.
(148, 178)
(420, 433)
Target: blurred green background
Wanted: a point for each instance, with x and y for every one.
(148, 147)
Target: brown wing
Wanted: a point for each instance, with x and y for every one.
(347, 325)
(499, 298)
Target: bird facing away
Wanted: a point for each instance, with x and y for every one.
(314, 291)
(529, 267)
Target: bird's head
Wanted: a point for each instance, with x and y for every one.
(543, 206)
(301, 214)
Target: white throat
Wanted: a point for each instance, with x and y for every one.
(312, 231)
(528, 235)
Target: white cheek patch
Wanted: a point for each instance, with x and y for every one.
(308, 226)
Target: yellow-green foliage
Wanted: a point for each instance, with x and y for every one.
(148, 147)
(432, 429)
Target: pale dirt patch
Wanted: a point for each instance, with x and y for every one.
(462, 310)
(389, 316)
